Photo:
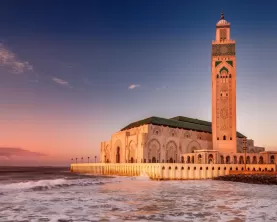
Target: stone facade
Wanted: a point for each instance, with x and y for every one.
(215, 157)
(151, 143)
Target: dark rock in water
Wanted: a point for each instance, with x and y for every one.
(254, 178)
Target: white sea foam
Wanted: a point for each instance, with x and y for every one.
(33, 184)
(48, 184)
(143, 177)
(141, 199)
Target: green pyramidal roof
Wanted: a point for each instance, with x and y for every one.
(177, 122)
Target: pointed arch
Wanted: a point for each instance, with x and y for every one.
(223, 69)
(107, 154)
(131, 152)
(154, 150)
(171, 151)
(117, 151)
(192, 146)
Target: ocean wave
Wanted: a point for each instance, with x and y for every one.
(48, 184)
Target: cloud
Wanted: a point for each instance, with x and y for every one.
(61, 82)
(8, 59)
(133, 86)
(8, 152)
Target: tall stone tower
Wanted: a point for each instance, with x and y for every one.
(224, 89)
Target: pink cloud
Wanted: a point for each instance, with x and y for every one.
(18, 152)
(9, 59)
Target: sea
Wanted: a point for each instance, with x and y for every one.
(43, 194)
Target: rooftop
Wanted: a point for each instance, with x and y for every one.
(180, 122)
(222, 21)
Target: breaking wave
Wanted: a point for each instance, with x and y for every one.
(48, 184)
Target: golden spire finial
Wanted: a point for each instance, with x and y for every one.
(222, 14)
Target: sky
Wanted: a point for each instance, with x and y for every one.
(74, 72)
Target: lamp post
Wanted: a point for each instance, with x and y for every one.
(95, 158)
(88, 159)
(82, 159)
(244, 149)
(76, 159)
(71, 160)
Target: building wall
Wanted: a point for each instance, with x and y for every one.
(150, 143)
(168, 171)
(125, 146)
(165, 144)
(251, 148)
(215, 157)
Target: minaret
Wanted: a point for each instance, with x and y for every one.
(224, 89)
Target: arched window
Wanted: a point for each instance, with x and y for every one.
(217, 76)
(228, 159)
(241, 161)
(182, 159)
(118, 155)
(230, 75)
(272, 159)
(210, 158)
(199, 158)
(235, 160)
(222, 159)
(254, 160)
(224, 137)
(188, 159)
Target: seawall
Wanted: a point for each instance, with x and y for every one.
(167, 171)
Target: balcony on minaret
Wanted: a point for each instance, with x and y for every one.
(224, 41)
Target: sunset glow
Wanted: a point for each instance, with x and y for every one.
(72, 76)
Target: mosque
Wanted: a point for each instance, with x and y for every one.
(186, 140)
